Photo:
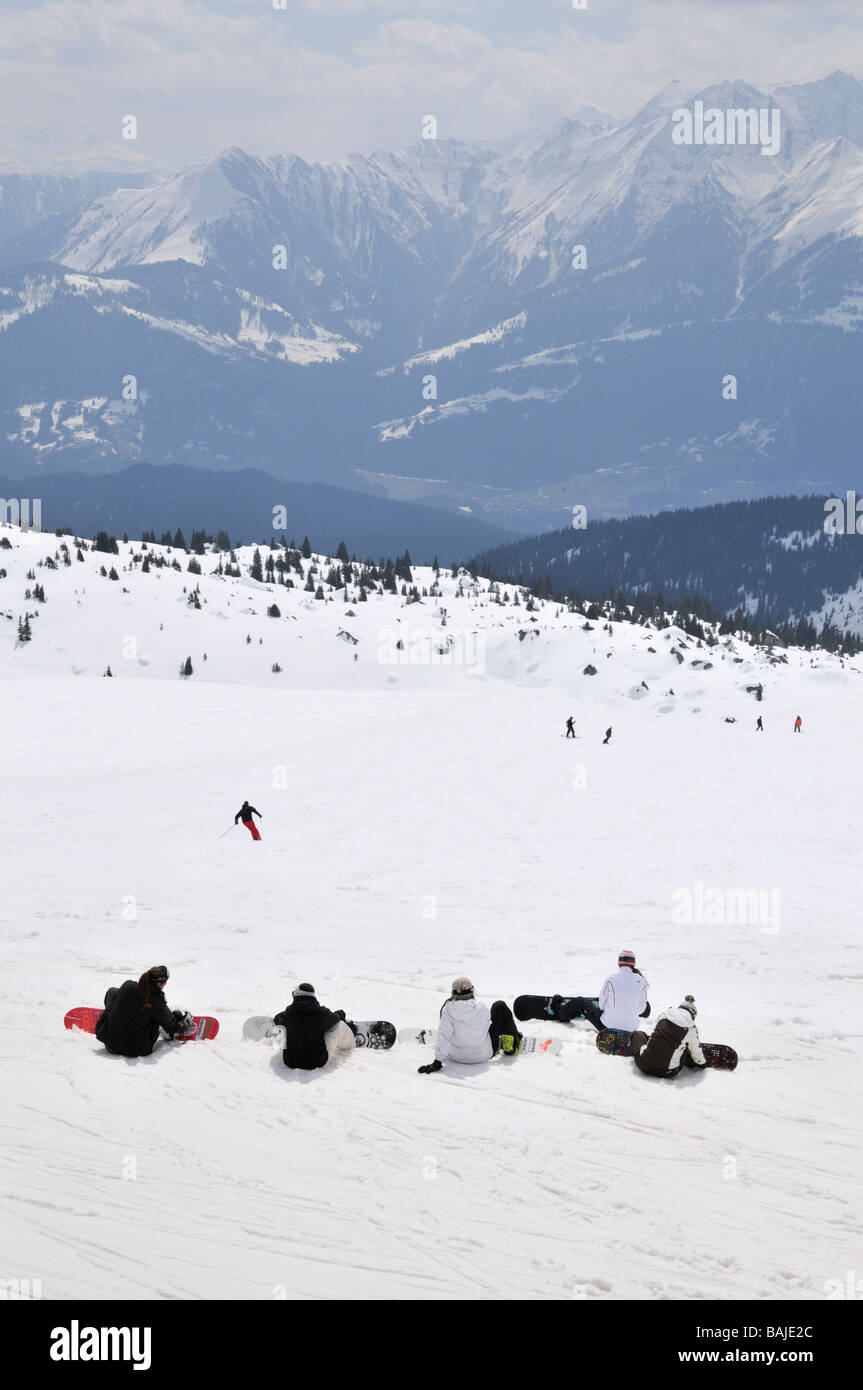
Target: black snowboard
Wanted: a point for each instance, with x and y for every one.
(539, 1006)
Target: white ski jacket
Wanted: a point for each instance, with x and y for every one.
(462, 1032)
(622, 999)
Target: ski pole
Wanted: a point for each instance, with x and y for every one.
(227, 832)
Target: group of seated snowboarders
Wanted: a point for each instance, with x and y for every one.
(468, 1031)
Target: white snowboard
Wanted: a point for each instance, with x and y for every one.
(258, 1028)
(375, 1035)
(426, 1037)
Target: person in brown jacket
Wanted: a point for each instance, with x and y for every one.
(672, 1045)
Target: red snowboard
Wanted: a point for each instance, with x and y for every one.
(85, 1019)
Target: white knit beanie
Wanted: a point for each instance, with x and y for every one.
(462, 988)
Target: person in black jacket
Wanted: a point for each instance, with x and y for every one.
(245, 814)
(313, 1034)
(134, 1013)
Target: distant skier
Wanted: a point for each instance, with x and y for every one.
(135, 1012)
(798, 724)
(622, 1000)
(245, 814)
(313, 1035)
(469, 1032)
(759, 725)
(607, 738)
(672, 1045)
(570, 728)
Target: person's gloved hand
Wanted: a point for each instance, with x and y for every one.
(432, 1067)
(182, 1021)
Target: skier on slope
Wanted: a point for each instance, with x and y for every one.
(570, 728)
(759, 725)
(622, 1000)
(313, 1035)
(135, 1012)
(672, 1045)
(607, 738)
(245, 814)
(470, 1032)
(798, 724)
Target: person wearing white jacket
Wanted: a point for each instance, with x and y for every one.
(622, 999)
(673, 1044)
(469, 1032)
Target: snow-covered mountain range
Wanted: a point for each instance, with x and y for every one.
(421, 322)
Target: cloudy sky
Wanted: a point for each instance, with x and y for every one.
(322, 78)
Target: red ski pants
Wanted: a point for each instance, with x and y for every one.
(252, 829)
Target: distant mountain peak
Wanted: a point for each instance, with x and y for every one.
(513, 329)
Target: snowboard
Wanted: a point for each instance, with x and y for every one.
(377, 1034)
(616, 1044)
(426, 1037)
(528, 1006)
(86, 1020)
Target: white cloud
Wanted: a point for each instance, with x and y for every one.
(422, 39)
(330, 76)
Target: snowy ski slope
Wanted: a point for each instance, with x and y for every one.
(421, 820)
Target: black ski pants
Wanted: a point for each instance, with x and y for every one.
(502, 1021)
(581, 1008)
